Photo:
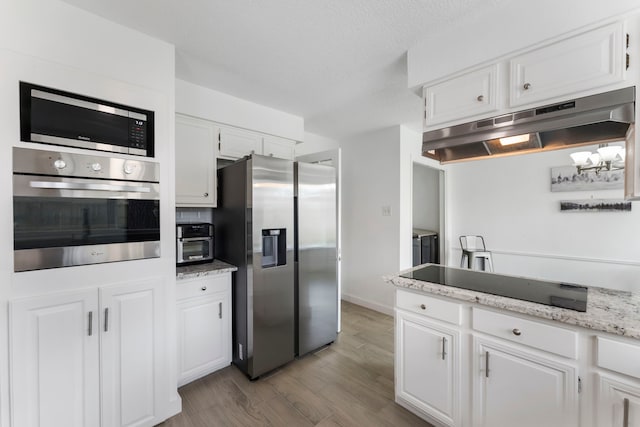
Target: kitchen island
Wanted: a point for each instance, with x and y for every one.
(465, 357)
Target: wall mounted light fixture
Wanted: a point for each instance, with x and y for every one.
(607, 157)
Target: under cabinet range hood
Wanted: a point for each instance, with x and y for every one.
(589, 120)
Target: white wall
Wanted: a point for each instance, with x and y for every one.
(508, 201)
(57, 45)
(516, 24)
(313, 143)
(198, 101)
(426, 197)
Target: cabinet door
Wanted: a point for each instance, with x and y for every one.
(195, 162)
(462, 97)
(427, 367)
(55, 360)
(131, 348)
(278, 147)
(203, 338)
(237, 143)
(517, 388)
(618, 403)
(580, 63)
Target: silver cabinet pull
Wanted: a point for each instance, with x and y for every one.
(204, 288)
(220, 310)
(444, 347)
(206, 194)
(486, 364)
(480, 98)
(90, 323)
(527, 86)
(517, 332)
(422, 306)
(625, 415)
(106, 319)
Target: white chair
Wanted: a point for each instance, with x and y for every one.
(473, 249)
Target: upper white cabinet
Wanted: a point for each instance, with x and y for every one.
(587, 61)
(278, 147)
(88, 358)
(567, 68)
(237, 143)
(465, 96)
(195, 162)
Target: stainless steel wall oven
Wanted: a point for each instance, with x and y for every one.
(75, 209)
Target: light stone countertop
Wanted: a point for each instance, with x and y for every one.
(207, 269)
(612, 311)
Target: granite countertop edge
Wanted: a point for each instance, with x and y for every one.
(611, 311)
(207, 269)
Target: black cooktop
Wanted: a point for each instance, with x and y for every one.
(549, 293)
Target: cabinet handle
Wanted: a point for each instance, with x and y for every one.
(106, 319)
(527, 86)
(625, 415)
(486, 364)
(444, 347)
(422, 306)
(204, 288)
(90, 323)
(206, 194)
(480, 98)
(516, 332)
(220, 310)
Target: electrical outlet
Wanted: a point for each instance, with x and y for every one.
(386, 210)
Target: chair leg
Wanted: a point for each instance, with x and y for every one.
(462, 260)
(489, 263)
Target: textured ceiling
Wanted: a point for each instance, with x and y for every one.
(340, 64)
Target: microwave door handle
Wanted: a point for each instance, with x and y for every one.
(85, 186)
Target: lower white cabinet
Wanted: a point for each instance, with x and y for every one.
(204, 326)
(87, 358)
(618, 403)
(427, 367)
(515, 387)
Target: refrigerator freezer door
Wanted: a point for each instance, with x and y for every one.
(317, 284)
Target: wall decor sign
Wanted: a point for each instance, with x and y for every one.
(566, 178)
(595, 205)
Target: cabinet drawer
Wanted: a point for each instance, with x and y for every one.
(552, 339)
(433, 307)
(206, 285)
(619, 357)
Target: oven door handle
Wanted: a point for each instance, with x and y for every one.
(87, 186)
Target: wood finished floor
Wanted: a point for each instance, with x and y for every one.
(349, 383)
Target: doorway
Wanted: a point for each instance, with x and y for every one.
(427, 214)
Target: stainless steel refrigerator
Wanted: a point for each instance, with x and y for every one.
(255, 231)
(316, 260)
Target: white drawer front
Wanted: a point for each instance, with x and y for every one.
(433, 307)
(563, 342)
(205, 285)
(619, 357)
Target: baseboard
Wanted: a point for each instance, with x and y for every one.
(368, 304)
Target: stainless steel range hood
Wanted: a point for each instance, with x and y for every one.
(592, 119)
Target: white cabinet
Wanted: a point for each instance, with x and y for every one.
(237, 143)
(278, 147)
(428, 368)
(55, 360)
(204, 325)
(583, 62)
(88, 358)
(195, 162)
(461, 97)
(618, 403)
(132, 350)
(516, 387)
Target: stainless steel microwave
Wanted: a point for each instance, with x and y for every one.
(52, 116)
(194, 243)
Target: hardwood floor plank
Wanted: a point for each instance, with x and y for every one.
(349, 383)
